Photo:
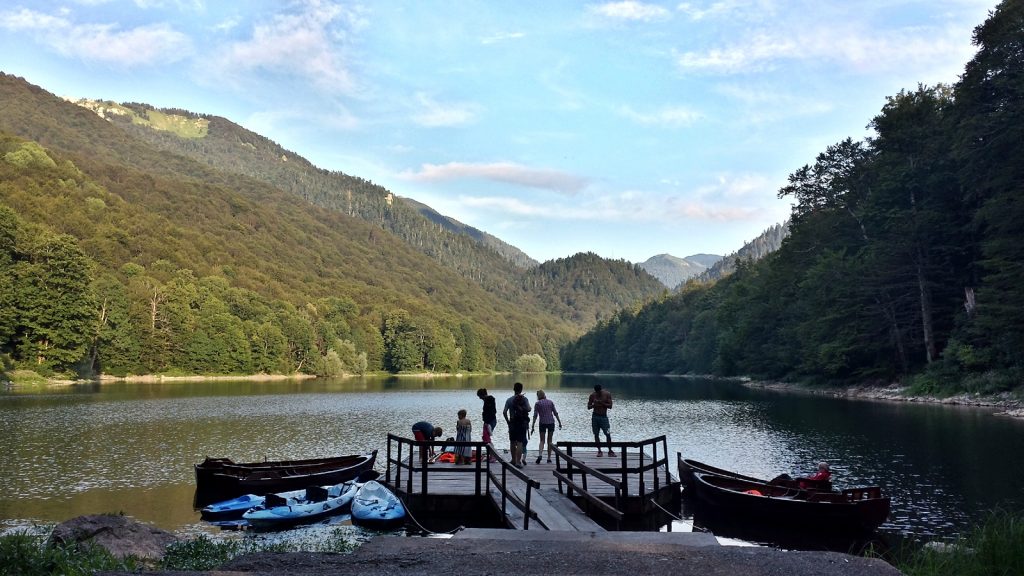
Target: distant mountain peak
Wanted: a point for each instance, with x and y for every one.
(673, 270)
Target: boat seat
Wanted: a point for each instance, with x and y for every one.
(316, 494)
(273, 500)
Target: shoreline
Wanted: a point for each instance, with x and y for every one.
(1006, 403)
(154, 378)
(147, 378)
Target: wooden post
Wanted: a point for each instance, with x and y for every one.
(423, 473)
(643, 485)
(625, 471)
(387, 469)
(526, 513)
(479, 466)
(504, 486)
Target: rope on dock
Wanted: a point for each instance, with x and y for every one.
(674, 517)
(420, 526)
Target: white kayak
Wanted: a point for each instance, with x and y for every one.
(314, 503)
(376, 506)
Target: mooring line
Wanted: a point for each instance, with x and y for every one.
(421, 527)
(665, 511)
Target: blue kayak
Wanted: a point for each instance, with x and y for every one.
(234, 508)
(377, 507)
(314, 503)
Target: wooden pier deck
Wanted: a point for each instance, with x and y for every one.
(564, 495)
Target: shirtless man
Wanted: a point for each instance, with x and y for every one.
(600, 402)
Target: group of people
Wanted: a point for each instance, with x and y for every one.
(517, 414)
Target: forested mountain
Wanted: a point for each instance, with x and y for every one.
(226, 146)
(507, 251)
(578, 288)
(673, 271)
(191, 259)
(905, 254)
(479, 257)
(767, 242)
(120, 257)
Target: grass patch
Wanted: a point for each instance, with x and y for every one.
(994, 548)
(27, 554)
(205, 553)
(26, 378)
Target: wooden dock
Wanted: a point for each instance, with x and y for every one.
(577, 491)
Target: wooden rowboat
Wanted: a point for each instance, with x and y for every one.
(220, 478)
(688, 468)
(850, 511)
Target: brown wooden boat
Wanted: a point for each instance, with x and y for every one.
(688, 468)
(221, 478)
(771, 505)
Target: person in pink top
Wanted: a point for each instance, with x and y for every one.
(544, 410)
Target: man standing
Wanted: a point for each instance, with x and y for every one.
(517, 416)
(490, 414)
(600, 402)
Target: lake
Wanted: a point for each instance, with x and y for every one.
(130, 447)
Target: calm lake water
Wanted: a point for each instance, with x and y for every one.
(131, 447)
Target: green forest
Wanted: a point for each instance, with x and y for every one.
(905, 259)
(121, 255)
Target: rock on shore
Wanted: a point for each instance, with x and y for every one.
(120, 535)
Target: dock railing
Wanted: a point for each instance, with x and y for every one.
(657, 463)
(574, 467)
(407, 457)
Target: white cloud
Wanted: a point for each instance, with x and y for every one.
(756, 53)
(667, 116)
(628, 206)
(309, 43)
(507, 172)
(877, 51)
(554, 79)
(732, 9)
(733, 187)
(762, 105)
(504, 37)
(631, 10)
(339, 118)
(108, 43)
(433, 114)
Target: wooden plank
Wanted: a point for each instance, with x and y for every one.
(513, 516)
(569, 512)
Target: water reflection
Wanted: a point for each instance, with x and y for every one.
(131, 447)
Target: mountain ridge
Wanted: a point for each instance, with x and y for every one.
(673, 271)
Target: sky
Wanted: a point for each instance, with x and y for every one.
(624, 128)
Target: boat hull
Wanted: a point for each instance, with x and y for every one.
(850, 511)
(220, 479)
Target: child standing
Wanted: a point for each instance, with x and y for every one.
(463, 433)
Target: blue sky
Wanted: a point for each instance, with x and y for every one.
(626, 128)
